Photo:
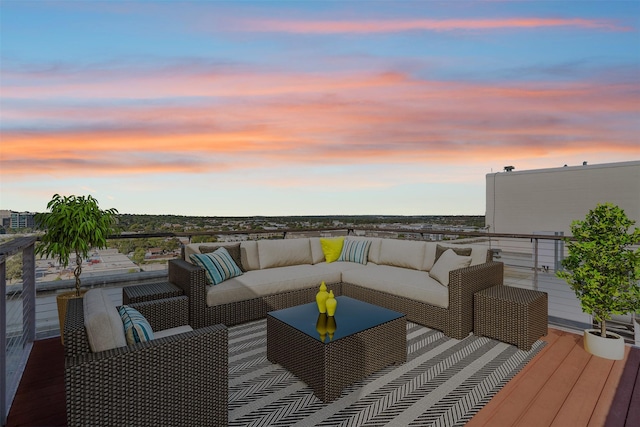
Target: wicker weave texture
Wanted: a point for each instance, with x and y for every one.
(149, 292)
(178, 380)
(512, 315)
(327, 368)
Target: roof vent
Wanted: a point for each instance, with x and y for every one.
(508, 168)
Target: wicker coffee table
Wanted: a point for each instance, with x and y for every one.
(367, 338)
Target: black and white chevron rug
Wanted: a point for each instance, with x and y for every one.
(443, 383)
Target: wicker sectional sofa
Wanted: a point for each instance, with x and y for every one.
(396, 274)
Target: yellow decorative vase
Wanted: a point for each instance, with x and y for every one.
(321, 298)
(331, 304)
(331, 327)
(321, 326)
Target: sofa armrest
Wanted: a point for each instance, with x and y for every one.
(165, 313)
(191, 279)
(465, 282)
(75, 335)
(177, 380)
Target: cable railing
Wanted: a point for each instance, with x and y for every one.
(530, 260)
(22, 305)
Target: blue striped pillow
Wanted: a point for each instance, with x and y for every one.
(218, 265)
(136, 327)
(355, 251)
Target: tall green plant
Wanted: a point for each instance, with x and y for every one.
(74, 225)
(601, 267)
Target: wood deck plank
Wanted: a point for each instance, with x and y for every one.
(624, 392)
(40, 399)
(526, 390)
(601, 411)
(633, 416)
(483, 417)
(581, 401)
(549, 400)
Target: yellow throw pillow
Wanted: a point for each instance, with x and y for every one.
(332, 248)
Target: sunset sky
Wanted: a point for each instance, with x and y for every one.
(235, 108)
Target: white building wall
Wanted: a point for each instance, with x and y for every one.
(525, 202)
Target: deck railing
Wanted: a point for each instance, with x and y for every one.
(532, 256)
(17, 342)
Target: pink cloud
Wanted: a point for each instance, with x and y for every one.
(395, 25)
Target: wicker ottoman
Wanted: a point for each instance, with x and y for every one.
(512, 315)
(150, 292)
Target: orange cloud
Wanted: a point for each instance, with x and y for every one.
(266, 120)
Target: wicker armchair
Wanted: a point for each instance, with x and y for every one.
(176, 380)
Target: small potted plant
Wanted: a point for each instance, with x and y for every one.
(73, 225)
(604, 272)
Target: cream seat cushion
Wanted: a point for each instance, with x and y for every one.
(404, 282)
(276, 280)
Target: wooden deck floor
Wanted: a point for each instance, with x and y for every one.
(562, 386)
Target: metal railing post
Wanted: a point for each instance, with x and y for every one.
(29, 292)
(4, 404)
(535, 263)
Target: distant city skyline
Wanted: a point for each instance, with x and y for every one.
(210, 108)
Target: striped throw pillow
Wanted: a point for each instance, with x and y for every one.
(355, 251)
(218, 265)
(136, 327)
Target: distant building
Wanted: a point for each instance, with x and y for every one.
(548, 200)
(5, 218)
(22, 220)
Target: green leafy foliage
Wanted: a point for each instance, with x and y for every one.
(74, 225)
(602, 268)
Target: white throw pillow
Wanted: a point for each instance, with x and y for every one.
(449, 261)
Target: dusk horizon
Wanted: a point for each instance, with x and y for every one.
(225, 109)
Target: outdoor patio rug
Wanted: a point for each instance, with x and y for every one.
(443, 383)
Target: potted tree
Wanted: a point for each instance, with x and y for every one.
(603, 270)
(73, 225)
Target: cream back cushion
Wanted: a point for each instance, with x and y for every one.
(429, 255)
(317, 255)
(402, 253)
(102, 322)
(281, 253)
(249, 255)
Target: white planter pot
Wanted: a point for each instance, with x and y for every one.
(611, 347)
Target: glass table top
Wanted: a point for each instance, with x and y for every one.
(351, 316)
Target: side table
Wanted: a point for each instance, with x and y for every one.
(149, 292)
(512, 315)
